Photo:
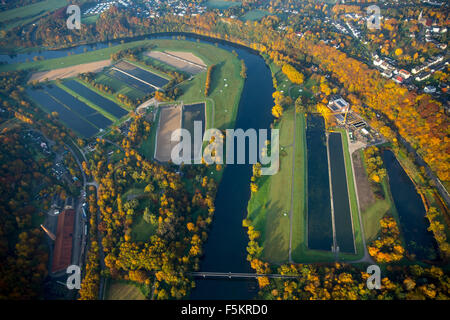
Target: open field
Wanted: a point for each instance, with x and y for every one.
(69, 72)
(188, 57)
(269, 208)
(169, 120)
(183, 61)
(372, 209)
(254, 15)
(222, 4)
(365, 194)
(147, 148)
(142, 230)
(121, 290)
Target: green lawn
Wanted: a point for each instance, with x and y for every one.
(147, 147)
(371, 216)
(122, 290)
(269, 208)
(222, 4)
(254, 15)
(90, 19)
(141, 230)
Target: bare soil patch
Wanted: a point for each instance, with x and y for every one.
(169, 120)
(365, 194)
(69, 72)
(184, 61)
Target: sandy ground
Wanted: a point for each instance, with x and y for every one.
(125, 66)
(365, 195)
(69, 72)
(187, 56)
(184, 61)
(169, 120)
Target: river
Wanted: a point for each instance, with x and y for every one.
(225, 249)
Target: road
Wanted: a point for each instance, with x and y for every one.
(442, 191)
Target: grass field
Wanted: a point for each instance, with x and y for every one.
(122, 290)
(269, 208)
(142, 230)
(19, 16)
(90, 19)
(254, 15)
(222, 4)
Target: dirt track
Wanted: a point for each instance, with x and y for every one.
(169, 120)
(69, 72)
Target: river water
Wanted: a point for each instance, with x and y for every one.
(225, 249)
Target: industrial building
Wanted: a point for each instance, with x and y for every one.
(62, 252)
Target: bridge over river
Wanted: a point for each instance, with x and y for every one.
(237, 275)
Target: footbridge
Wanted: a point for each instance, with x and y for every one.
(238, 275)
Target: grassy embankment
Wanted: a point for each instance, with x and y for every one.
(372, 215)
